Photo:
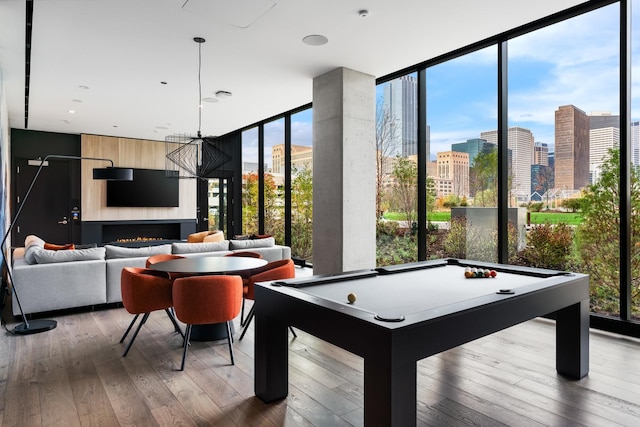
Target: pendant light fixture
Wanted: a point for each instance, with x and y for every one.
(194, 157)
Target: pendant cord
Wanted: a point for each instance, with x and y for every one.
(199, 88)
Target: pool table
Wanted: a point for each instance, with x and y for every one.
(407, 312)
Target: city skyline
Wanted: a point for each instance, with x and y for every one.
(574, 62)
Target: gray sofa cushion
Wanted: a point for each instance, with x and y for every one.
(45, 256)
(187, 248)
(122, 252)
(252, 243)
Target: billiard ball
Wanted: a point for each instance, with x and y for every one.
(468, 273)
(493, 273)
(351, 298)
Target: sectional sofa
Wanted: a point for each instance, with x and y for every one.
(47, 279)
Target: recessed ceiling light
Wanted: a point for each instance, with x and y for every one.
(363, 13)
(163, 83)
(67, 121)
(210, 99)
(315, 40)
(83, 87)
(223, 94)
(77, 100)
(72, 111)
(161, 127)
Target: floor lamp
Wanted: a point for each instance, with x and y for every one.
(108, 173)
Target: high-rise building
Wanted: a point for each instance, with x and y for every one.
(541, 154)
(601, 140)
(542, 180)
(400, 101)
(571, 148)
(473, 147)
(301, 158)
(635, 143)
(452, 174)
(520, 144)
(603, 119)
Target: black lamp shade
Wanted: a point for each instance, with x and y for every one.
(113, 174)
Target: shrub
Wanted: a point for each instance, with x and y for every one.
(549, 246)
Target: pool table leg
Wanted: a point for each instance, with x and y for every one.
(389, 394)
(271, 358)
(572, 340)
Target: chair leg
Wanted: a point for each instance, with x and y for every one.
(129, 328)
(187, 336)
(173, 320)
(229, 341)
(135, 334)
(248, 322)
(242, 319)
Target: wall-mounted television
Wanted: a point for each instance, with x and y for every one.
(150, 188)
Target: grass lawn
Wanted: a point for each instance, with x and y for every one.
(536, 217)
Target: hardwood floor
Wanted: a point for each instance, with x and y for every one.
(74, 375)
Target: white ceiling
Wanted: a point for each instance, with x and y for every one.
(121, 50)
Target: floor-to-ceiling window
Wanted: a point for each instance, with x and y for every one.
(564, 136)
(302, 185)
(250, 181)
(462, 164)
(274, 177)
(397, 170)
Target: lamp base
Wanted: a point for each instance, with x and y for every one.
(35, 327)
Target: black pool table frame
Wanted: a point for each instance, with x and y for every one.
(391, 349)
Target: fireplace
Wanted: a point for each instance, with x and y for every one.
(145, 232)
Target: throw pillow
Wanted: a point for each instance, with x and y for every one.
(215, 236)
(197, 237)
(187, 248)
(242, 237)
(255, 243)
(124, 252)
(32, 245)
(45, 256)
(260, 236)
(54, 247)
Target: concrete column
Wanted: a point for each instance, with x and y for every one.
(344, 172)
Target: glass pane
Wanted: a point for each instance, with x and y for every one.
(563, 89)
(396, 170)
(635, 159)
(217, 204)
(274, 179)
(462, 168)
(302, 185)
(250, 181)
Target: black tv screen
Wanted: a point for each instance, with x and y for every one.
(149, 188)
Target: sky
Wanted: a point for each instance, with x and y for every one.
(574, 62)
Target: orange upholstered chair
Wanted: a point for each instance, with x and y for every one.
(154, 259)
(144, 291)
(245, 275)
(276, 270)
(201, 300)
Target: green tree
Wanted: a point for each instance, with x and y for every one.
(273, 209)
(483, 179)
(250, 204)
(302, 214)
(405, 191)
(573, 204)
(599, 235)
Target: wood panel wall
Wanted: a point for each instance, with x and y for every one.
(131, 153)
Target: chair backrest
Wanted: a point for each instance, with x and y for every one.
(201, 300)
(154, 259)
(246, 254)
(275, 270)
(145, 290)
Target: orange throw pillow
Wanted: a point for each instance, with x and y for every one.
(53, 247)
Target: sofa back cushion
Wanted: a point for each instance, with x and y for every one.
(187, 248)
(47, 256)
(252, 243)
(114, 251)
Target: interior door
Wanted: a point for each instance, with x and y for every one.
(46, 212)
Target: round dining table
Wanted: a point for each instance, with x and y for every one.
(209, 265)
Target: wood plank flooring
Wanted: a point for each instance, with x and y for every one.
(74, 375)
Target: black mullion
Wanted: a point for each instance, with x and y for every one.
(422, 164)
(503, 155)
